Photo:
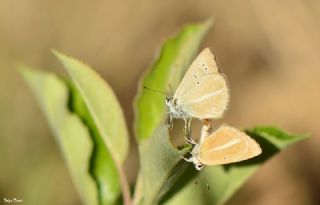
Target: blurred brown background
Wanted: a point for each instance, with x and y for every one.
(270, 51)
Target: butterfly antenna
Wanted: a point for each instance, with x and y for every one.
(154, 90)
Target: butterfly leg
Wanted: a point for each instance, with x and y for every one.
(169, 121)
(186, 159)
(188, 131)
(189, 126)
(191, 141)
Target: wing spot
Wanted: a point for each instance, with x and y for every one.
(204, 67)
(198, 82)
(224, 158)
(195, 76)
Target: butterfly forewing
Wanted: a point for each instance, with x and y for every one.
(204, 63)
(203, 91)
(208, 99)
(227, 145)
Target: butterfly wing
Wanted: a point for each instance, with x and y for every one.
(227, 145)
(203, 92)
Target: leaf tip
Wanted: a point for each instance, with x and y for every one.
(58, 54)
(24, 71)
(276, 136)
(209, 22)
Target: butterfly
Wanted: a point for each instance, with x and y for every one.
(225, 145)
(203, 92)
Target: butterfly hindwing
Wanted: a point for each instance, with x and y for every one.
(227, 145)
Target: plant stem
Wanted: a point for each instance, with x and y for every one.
(124, 186)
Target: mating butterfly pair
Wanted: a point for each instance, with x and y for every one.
(204, 94)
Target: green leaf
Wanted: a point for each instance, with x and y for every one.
(71, 134)
(161, 165)
(102, 104)
(226, 180)
(102, 167)
(175, 56)
(106, 115)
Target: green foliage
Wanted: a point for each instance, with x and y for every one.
(89, 126)
(161, 165)
(71, 134)
(99, 163)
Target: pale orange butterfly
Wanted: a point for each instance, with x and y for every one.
(203, 92)
(225, 145)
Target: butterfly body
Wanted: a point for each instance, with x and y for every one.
(177, 111)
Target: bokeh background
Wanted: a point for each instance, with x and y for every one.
(270, 51)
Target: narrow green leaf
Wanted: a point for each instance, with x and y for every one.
(102, 105)
(71, 134)
(175, 56)
(160, 166)
(226, 180)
